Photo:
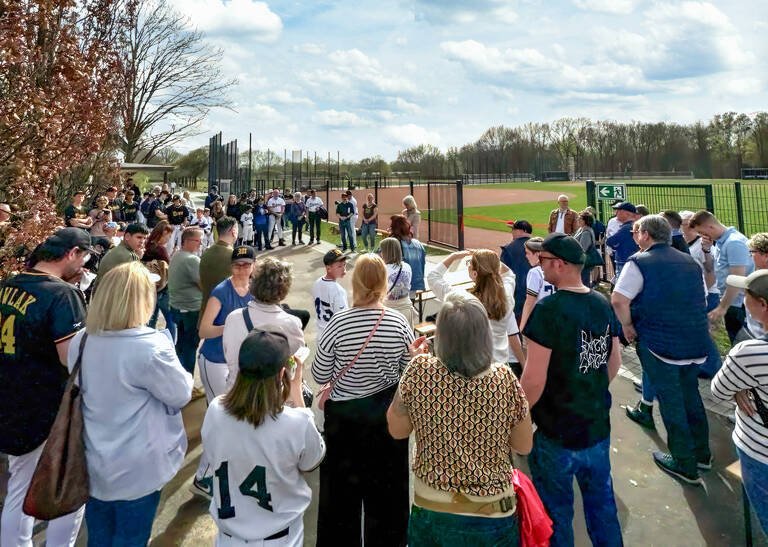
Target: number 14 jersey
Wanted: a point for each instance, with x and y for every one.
(258, 488)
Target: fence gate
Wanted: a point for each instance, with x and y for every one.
(445, 215)
(656, 197)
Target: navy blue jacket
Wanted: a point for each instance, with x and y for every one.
(513, 255)
(670, 313)
(622, 243)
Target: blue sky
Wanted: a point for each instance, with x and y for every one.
(372, 78)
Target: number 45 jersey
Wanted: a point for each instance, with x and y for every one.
(258, 489)
(37, 311)
(329, 297)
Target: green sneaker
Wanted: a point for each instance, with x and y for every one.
(670, 465)
(641, 414)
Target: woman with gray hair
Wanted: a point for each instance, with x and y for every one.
(398, 279)
(270, 282)
(468, 412)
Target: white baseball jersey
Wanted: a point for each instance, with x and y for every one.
(329, 297)
(276, 205)
(258, 488)
(536, 285)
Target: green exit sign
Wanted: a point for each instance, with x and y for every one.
(610, 191)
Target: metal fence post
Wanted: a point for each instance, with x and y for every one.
(410, 183)
(429, 210)
(739, 206)
(376, 190)
(460, 211)
(591, 196)
(709, 196)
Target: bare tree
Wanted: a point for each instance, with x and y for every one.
(172, 79)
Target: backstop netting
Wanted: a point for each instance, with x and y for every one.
(445, 216)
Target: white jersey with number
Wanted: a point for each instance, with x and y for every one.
(329, 297)
(536, 285)
(258, 486)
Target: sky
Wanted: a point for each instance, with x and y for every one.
(371, 78)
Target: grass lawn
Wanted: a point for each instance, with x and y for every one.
(335, 239)
(494, 217)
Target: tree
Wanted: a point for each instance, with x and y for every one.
(171, 79)
(58, 88)
(193, 164)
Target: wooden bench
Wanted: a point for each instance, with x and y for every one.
(425, 329)
(426, 296)
(734, 472)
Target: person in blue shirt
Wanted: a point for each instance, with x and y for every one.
(260, 223)
(731, 255)
(513, 255)
(622, 242)
(413, 251)
(213, 195)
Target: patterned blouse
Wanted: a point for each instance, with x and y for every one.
(462, 425)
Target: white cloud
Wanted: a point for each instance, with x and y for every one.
(235, 17)
(401, 41)
(285, 97)
(309, 48)
(407, 107)
(619, 7)
(336, 118)
(410, 135)
(744, 86)
(441, 12)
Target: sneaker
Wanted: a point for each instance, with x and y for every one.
(281, 243)
(705, 465)
(641, 414)
(317, 242)
(202, 487)
(670, 465)
(638, 386)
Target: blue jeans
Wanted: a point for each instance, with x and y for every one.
(163, 305)
(345, 226)
(260, 235)
(755, 477)
(681, 408)
(187, 338)
(121, 523)
(552, 470)
(433, 529)
(368, 230)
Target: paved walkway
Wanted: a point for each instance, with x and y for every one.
(654, 509)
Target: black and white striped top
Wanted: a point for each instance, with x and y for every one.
(379, 366)
(746, 367)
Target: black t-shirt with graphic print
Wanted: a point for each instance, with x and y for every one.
(573, 410)
(129, 211)
(37, 311)
(74, 212)
(177, 215)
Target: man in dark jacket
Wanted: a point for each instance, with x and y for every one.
(513, 255)
(660, 300)
(676, 223)
(622, 242)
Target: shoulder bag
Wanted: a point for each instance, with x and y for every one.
(396, 279)
(325, 391)
(59, 484)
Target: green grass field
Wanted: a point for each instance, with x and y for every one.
(537, 213)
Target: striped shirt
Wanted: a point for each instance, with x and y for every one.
(379, 366)
(746, 367)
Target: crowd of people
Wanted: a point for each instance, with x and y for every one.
(528, 345)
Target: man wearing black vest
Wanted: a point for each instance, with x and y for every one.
(513, 255)
(653, 288)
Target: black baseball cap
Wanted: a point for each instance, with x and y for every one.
(523, 225)
(67, 238)
(561, 245)
(624, 206)
(332, 256)
(263, 354)
(243, 253)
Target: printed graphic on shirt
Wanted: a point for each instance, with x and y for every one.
(594, 351)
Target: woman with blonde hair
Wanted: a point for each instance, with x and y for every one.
(361, 354)
(133, 387)
(495, 288)
(101, 215)
(398, 279)
(412, 213)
